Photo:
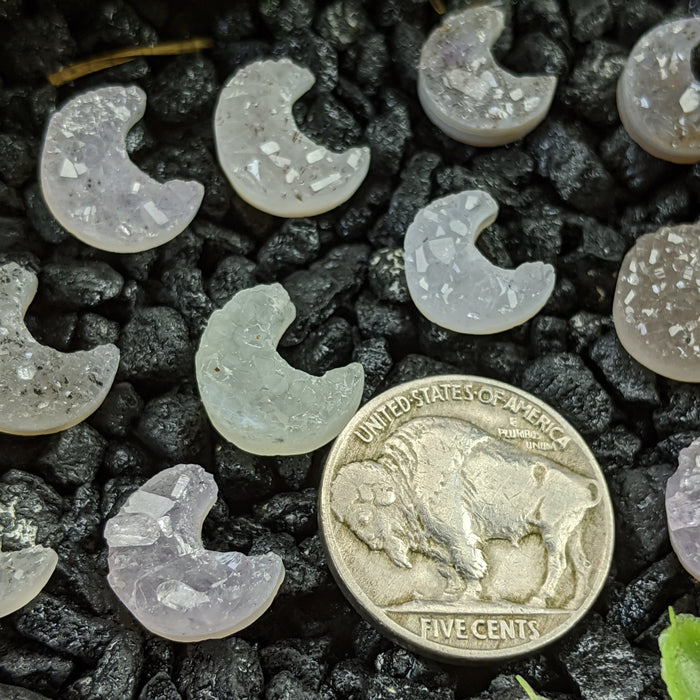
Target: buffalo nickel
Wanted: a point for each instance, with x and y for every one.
(466, 519)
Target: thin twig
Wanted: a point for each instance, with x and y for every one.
(438, 6)
(116, 58)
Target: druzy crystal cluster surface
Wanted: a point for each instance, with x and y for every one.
(159, 569)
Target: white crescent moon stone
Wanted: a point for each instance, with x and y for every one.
(23, 574)
(453, 284)
(160, 570)
(683, 506)
(656, 308)
(658, 97)
(92, 187)
(270, 163)
(43, 390)
(466, 94)
(252, 396)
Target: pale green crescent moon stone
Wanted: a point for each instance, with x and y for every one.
(253, 397)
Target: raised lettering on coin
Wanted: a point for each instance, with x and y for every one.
(466, 518)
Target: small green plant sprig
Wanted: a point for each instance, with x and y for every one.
(531, 694)
(680, 656)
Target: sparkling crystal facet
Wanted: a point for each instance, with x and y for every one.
(270, 163)
(43, 390)
(683, 508)
(160, 570)
(252, 396)
(453, 284)
(92, 187)
(658, 96)
(656, 309)
(23, 574)
(467, 94)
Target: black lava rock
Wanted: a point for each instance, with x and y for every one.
(410, 196)
(638, 495)
(93, 330)
(590, 19)
(175, 427)
(232, 274)
(117, 674)
(220, 668)
(119, 410)
(17, 159)
(565, 157)
(647, 596)
(64, 628)
(387, 275)
(30, 512)
(241, 477)
(598, 654)
(373, 354)
(31, 47)
(184, 90)
(319, 291)
(41, 218)
(183, 289)
(563, 381)
(390, 321)
(592, 86)
(77, 285)
(155, 346)
(680, 410)
(387, 135)
(73, 457)
(633, 381)
(329, 346)
(295, 245)
(33, 667)
(293, 512)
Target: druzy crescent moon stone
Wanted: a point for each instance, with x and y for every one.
(43, 390)
(271, 164)
(159, 569)
(683, 508)
(253, 397)
(656, 308)
(466, 94)
(453, 284)
(658, 96)
(92, 187)
(23, 574)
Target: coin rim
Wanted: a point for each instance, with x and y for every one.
(366, 607)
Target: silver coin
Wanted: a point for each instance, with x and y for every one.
(466, 519)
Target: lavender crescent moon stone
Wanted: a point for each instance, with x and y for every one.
(656, 308)
(466, 94)
(252, 396)
(683, 508)
(271, 164)
(43, 390)
(658, 96)
(159, 569)
(23, 574)
(453, 284)
(92, 187)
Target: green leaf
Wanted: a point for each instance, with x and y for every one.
(528, 689)
(680, 656)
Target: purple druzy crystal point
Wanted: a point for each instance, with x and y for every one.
(683, 508)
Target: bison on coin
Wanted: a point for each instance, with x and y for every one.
(442, 487)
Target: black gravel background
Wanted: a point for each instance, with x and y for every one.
(576, 193)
